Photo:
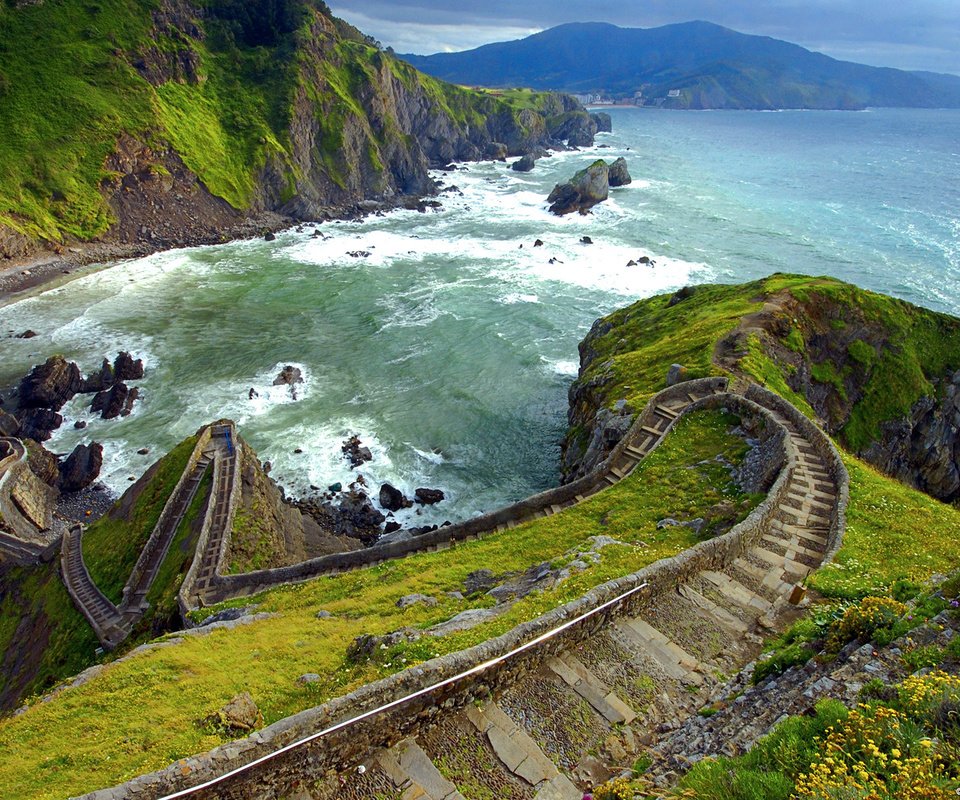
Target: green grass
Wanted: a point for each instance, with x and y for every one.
(36, 611)
(172, 688)
(112, 545)
(894, 533)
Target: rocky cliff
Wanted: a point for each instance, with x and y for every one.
(195, 120)
(881, 375)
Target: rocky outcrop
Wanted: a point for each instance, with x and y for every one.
(923, 449)
(392, 499)
(345, 123)
(619, 174)
(603, 121)
(117, 401)
(525, 164)
(81, 467)
(582, 192)
(50, 385)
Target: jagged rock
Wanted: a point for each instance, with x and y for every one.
(496, 151)
(44, 464)
(125, 368)
(229, 615)
(102, 379)
(269, 237)
(355, 451)
(577, 129)
(586, 240)
(538, 243)
(357, 518)
(603, 121)
(619, 174)
(50, 385)
(27, 334)
(80, 424)
(481, 580)
(677, 374)
(117, 401)
(39, 423)
(9, 424)
(392, 499)
(416, 599)
(464, 621)
(680, 295)
(525, 164)
(81, 467)
(288, 376)
(392, 526)
(587, 188)
(428, 497)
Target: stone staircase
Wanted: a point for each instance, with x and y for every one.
(590, 711)
(114, 623)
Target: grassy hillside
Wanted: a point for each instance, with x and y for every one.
(175, 687)
(263, 101)
(861, 358)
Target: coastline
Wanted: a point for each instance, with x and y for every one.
(47, 268)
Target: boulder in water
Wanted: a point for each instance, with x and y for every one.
(619, 174)
(81, 467)
(392, 499)
(587, 188)
(50, 385)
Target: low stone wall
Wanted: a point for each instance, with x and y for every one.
(344, 731)
(229, 586)
(825, 448)
(188, 587)
(26, 507)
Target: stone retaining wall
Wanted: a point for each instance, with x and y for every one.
(26, 507)
(187, 588)
(168, 510)
(229, 586)
(825, 448)
(345, 730)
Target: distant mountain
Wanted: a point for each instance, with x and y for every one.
(689, 65)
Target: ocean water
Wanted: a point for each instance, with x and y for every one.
(449, 349)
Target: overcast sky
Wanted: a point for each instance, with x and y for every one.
(908, 34)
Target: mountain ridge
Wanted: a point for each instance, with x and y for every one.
(711, 66)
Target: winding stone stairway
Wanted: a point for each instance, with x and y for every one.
(591, 711)
(577, 708)
(112, 623)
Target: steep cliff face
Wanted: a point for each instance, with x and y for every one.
(879, 374)
(179, 121)
(268, 531)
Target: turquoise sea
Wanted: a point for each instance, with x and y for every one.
(449, 348)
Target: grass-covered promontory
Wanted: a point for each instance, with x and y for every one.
(265, 102)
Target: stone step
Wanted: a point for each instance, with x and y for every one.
(572, 672)
(676, 662)
(736, 592)
(635, 451)
(720, 614)
(518, 752)
(793, 548)
(412, 770)
(558, 788)
(779, 562)
(666, 411)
